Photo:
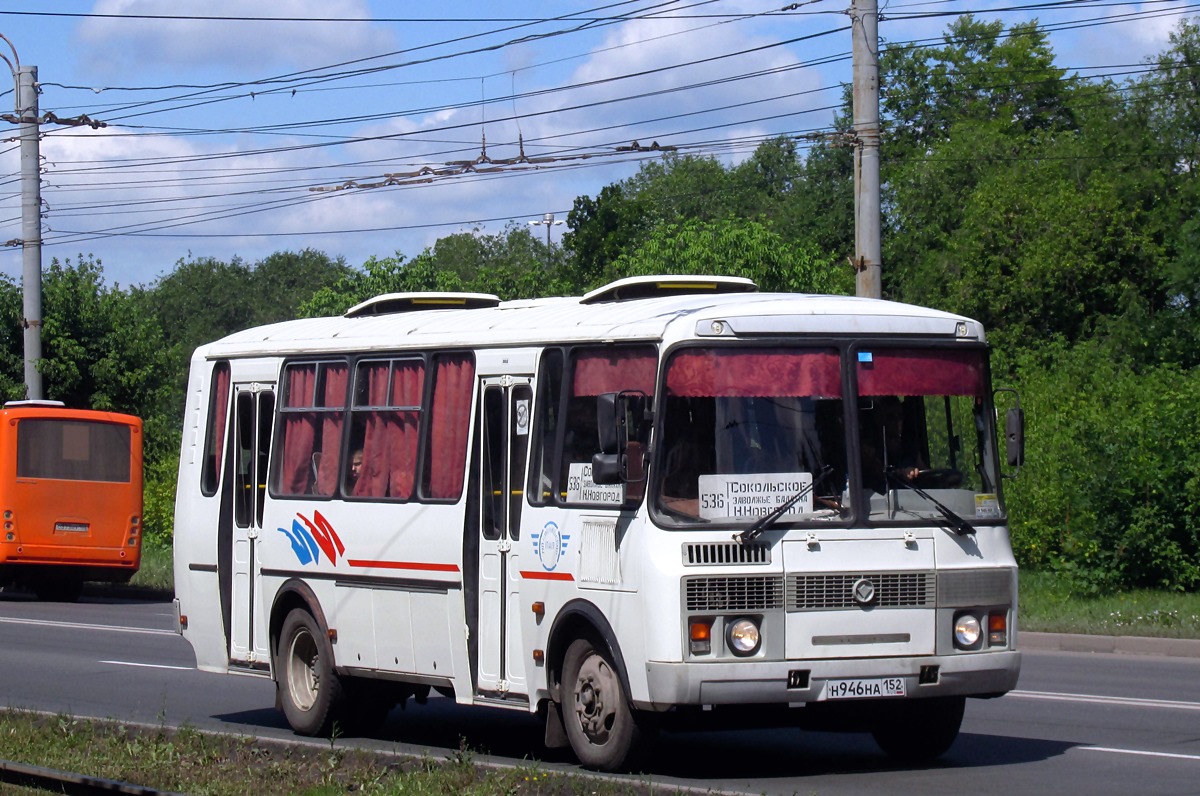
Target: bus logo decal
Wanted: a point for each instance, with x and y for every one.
(550, 544)
(312, 538)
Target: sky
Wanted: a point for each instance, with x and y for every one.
(237, 129)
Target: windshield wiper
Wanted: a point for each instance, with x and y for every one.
(767, 520)
(960, 526)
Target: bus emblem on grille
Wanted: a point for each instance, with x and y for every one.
(863, 591)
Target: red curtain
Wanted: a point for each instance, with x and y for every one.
(373, 480)
(408, 382)
(390, 439)
(295, 474)
(331, 428)
(745, 373)
(449, 423)
(922, 372)
(614, 369)
(220, 410)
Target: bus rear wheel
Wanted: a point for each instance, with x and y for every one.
(599, 721)
(919, 730)
(309, 688)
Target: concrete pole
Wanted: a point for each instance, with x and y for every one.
(867, 253)
(31, 227)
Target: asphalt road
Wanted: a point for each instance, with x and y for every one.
(1119, 722)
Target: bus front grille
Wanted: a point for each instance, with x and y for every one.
(818, 592)
(750, 593)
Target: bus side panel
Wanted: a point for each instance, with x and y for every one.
(388, 593)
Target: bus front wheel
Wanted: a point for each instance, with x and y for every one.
(309, 688)
(599, 721)
(919, 730)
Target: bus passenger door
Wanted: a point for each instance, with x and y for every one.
(504, 424)
(254, 411)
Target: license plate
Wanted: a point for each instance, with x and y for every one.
(865, 688)
(70, 527)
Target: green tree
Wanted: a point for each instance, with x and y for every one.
(803, 202)
(1109, 492)
(12, 342)
(602, 229)
(733, 247)
(101, 351)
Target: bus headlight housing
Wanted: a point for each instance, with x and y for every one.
(967, 631)
(742, 637)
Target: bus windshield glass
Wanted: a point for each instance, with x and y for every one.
(744, 430)
(924, 420)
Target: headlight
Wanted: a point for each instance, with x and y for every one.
(742, 637)
(966, 631)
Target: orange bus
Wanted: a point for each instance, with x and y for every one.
(71, 497)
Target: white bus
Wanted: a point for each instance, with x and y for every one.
(672, 502)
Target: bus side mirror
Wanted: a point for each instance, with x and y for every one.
(620, 420)
(608, 468)
(620, 468)
(607, 423)
(1014, 436)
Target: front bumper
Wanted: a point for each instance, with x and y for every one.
(766, 682)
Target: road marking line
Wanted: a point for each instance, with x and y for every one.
(1104, 700)
(150, 665)
(1137, 752)
(79, 626)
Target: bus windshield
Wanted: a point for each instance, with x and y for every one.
(924, 419)
(744, 430)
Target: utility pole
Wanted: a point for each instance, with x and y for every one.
(864, 16)
(31, 226)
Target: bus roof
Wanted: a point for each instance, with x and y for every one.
(41, 409)
(668, 315)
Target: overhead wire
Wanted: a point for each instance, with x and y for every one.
(614, 126)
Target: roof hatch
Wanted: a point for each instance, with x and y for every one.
(393, 303)
(640, 287)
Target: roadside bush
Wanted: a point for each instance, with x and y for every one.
(1110, 494)
(158, 497)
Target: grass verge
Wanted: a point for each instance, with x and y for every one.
(156, 569)
(1050, 604)
(188, 761)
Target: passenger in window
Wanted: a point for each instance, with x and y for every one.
(356, 463)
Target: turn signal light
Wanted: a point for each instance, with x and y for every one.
(998, 629)
(700, 636)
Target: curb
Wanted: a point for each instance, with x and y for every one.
(1116, 645)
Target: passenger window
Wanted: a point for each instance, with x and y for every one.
(386, 421)
(312, 415)
(568, 436)
(449, 425)
(218, 411)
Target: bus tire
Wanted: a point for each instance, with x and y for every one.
(599, 721)
(309, 688)
(919, 730)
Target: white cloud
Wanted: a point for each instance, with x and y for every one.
(135, 49)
